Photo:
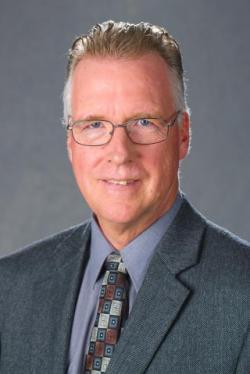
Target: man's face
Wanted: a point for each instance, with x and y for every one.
(128, 186)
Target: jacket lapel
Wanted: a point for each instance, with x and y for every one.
(54, 300)
(161, 296)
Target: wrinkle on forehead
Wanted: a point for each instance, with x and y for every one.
(120, 88)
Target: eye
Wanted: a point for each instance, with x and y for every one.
(91, 125)
(144, 122)
(95, 125)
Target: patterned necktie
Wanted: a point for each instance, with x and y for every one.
(111, 315)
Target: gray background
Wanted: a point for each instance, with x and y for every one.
(38, 193)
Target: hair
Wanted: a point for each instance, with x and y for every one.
(127, 40)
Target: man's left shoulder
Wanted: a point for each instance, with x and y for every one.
(225, 242)
(227, 257)
(221, 253)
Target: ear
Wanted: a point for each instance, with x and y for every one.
(184, 135)
(69, 145)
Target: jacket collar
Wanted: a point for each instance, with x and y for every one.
(162, 294)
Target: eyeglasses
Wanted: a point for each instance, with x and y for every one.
(139, 130)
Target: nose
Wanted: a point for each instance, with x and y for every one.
(120, 148)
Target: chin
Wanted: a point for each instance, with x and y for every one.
(118, 217)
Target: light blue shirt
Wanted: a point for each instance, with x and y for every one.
(139, 251)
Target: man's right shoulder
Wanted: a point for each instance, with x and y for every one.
(34, 255)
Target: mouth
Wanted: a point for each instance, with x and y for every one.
(121, 182)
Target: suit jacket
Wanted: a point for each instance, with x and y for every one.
(191, 315)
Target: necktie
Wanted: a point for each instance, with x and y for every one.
(110, 318)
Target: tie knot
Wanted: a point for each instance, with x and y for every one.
(114, 263)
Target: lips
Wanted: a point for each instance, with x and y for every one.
(121, 182)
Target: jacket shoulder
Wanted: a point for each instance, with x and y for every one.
(42, 247)
(225, 262)
(221, 254)
(40, 257)
(225, 242)
(215, 237)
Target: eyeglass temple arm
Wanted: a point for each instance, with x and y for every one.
(172, 122)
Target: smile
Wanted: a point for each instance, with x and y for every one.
(122, 182)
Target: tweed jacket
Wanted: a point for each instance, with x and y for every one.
(191, 315)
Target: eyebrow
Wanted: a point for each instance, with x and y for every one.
(134, 116)
(143, 115)
(92, 117)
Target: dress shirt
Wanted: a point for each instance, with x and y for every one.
(138, 251)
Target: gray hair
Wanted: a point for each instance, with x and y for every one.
(126, 40)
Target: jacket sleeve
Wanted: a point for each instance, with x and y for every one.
(7, 277)
(243, 364)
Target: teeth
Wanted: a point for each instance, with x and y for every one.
(121, 182)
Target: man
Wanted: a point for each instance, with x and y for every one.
(174, 288)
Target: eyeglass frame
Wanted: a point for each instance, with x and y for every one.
(167, 123)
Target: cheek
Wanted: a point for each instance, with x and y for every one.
(81, 165)
(164, 163)
(83, 158)
(157, 167)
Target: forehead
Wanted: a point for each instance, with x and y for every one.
(116, 83)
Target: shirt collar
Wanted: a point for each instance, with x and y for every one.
(138, 251)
